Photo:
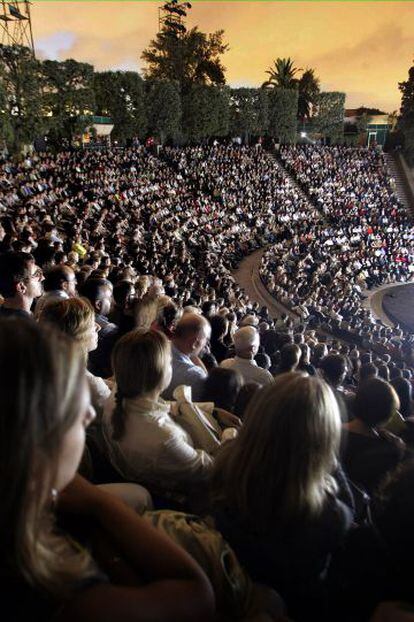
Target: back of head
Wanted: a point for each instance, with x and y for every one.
(404, 391)
(73, 316)
(369, 370)
(56, 276)
(281, 462)
(93, 289)
(290, 356)
(141, 361)
(244, 396)
(246, 341)
(375, 402)
(333, 367)
(222, 387)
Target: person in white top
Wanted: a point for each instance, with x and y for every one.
(145, 443)
(246, 344)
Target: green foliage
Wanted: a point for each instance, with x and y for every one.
(362, 122)
(121, 96)
(163, 105)
(282, 74)
(308, 86)
(406, 121)
(186, 57)
(206, 112)
(21, 96)
(249, 112)
(329, 121)
(283, 112)
(68, 98)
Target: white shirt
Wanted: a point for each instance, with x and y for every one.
(154, 449)
(249, 369)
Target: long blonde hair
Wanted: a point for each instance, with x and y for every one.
(139, 360)
(41, 380)
(281, 463)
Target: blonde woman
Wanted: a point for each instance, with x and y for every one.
(145, 442)
(45, 575)
(76, 318)
(274, 494)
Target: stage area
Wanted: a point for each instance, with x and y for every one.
(398, 304)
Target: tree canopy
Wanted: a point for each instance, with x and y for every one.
(406, 121)
(184, 56)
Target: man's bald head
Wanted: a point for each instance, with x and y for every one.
(191, 333)
(246, 342)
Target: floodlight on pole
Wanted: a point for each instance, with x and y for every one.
(16, 24)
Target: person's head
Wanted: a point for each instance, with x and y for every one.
(45, 411)
(384, 372)
(263, 360)
(99, 294)
(141, 361)
(290, 356)
(333, 368)
(191, 333)
(168, 314)
(62, 278)
(320, 351)
(282, 460)
(244, 396)
(219, 327)
(209, 308)
(124, 292)
(369, 370)
(375, 402)
(404, 391)
(222, 386)
(20, 278)
(246, 342)
(76, 318)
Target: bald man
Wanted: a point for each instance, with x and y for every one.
(246, 345)
(189, 339)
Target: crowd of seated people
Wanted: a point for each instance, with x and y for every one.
(290, 445)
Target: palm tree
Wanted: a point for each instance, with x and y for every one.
(282, 75)
(308, 92)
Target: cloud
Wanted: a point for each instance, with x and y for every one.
(55, 45)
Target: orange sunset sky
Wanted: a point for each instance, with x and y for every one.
(361, 48)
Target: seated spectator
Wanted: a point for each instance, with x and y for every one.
(368, 452)
(304, 363)
(76, 318)
(246, 345)
(168, 315)
(59, 284)
(189, 339)
(274, 493)
(263, 360)
(99, 294)
(368, 370)
(45, 574)
(404, 391)
(121, 314)
(289, 358)
(219, 330)
(146, 444)
(244, 396)
(222, 387)
(20, 284)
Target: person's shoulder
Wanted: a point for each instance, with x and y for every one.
(227, 363)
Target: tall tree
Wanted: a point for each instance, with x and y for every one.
(308, 86)
(206, 112)
(406, 121)
(283, 113)
(249, 112)
(121, 96)
(329, 120)
(69, 97)
(282, 74)
(20, 78)
(184, 56)
(163, 105)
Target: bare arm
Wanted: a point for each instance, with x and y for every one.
(173, 587)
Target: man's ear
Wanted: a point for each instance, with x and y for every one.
(98, 306)
(21, 288)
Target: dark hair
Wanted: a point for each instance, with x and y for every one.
(263, 360)
(55, 277)
(369, 370)
(219, 326)
(375, 402)
(122, 291)
(244, 396)
(334, 368)
(222, 386)
(289, 357)
(92, 289)
(14, 267)
(404, 392)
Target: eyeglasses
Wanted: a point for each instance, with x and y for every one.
(37, 274)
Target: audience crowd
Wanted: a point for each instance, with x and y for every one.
(169, 449)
